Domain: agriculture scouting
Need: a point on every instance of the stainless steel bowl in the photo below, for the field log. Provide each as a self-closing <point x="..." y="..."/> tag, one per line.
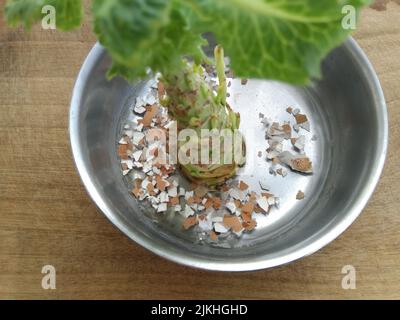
<point x="348" y="116"/>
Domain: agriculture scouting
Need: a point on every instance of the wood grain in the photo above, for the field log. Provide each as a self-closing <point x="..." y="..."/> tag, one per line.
<point x="46" y="216"/>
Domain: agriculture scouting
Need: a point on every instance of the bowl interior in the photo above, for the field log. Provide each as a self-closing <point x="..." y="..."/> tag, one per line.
<point x="348" y="119"/>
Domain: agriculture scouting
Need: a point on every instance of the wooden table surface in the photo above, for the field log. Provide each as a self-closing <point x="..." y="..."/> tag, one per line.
<point x="46" y="217"/>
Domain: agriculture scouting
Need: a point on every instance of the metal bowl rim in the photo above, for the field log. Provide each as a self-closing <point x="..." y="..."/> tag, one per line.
<point x="180" y="257"/>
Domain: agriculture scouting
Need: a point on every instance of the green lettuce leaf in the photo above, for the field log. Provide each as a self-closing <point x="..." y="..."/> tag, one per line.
<point x="141" y="34"/>
<point x="69" y="13"/>
<point x="277" y="39"/>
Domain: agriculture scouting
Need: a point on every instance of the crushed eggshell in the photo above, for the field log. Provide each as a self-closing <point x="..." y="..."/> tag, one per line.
<point x="299" y="143"/>
<point x="188" y="211"/>
<point x="249" y="225"/>
<point x="299" y="163"/>
<point x="150" y="113"/>
<point x="189" y="222"/>
<point x="220" y="227"/>
<point x="232" y="222"/>
<point x="243" y="186"/>
<point x="248" y="207"/>
<point x="162" y="207"/>
<point x="231" y="207"/>
<point x="300" y="118"/>
<point x="300" y="195"/>
<point x="263" y="203"/>
<point x="213" y="236"/>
